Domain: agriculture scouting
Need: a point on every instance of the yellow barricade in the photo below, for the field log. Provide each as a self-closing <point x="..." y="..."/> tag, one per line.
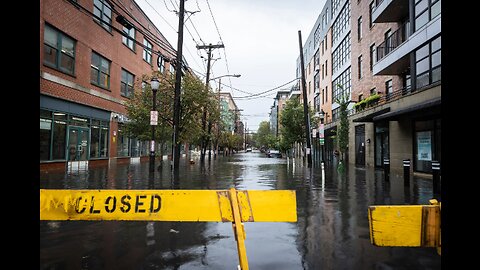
<point x="405" y="225"/>
<point x="173" y="205"/>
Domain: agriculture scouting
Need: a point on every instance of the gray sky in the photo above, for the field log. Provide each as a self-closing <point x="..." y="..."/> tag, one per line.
<point x="260" y="38"/>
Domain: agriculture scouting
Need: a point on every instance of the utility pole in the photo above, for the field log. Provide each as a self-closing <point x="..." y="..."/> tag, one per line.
<point x="178" y="84"/>
<point x="205" y="139"/>
<point x="305" y="103"/>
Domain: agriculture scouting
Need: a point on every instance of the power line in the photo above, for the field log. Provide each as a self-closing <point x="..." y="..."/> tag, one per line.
<point x="267" y="91"/>
<point x="121" y="32"/>
<point x="221" y="40"/>
<point x="148" y="33"/>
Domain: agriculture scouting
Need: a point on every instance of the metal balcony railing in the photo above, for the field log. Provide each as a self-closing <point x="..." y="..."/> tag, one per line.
<point x="392" y="42"/>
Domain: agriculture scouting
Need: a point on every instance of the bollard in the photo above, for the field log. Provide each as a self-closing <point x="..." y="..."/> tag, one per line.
<point x="406" y="172"/>
<point x="436" y="176"/>
<point x="386" y="169"/>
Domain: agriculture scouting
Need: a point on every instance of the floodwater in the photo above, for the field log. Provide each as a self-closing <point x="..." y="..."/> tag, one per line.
<point x="331" y="232"/>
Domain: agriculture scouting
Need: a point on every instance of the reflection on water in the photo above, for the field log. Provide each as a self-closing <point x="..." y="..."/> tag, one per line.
<point x="331" y="232"/>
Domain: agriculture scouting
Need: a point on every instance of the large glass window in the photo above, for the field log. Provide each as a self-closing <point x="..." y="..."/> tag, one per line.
<point x="99" y="139"/>
<point x="341" y="55"/>
<point x="342" y="85"/>
<point x="147" y="51"/>
<point x="428" y="61"/>
<point x="100" y="71"/>
<point x="129" y="37"/>
<point x="426" y="148"/>
<point x="58" y="50"/>
<point x="45" y="133"/>
<point x="103" y="11"/>
<point x="425" y="11"/>
<point x="341" y="23"/>
<point x="52" y="135"/>
<point x="123" y="142"/>
<point x="59" y="135"/>
<point x="126" y="85"/>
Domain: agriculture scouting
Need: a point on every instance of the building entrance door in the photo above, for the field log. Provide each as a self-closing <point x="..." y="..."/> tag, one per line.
<point x="78" y="143"/>
<point x="360" y="145"/>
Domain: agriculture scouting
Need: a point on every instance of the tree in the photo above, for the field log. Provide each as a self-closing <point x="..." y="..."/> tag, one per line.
<point x="342" y="129"/>
<point x="193" y="98"/>
<point x="292" y="123"/>
<point x="264" y="134"/>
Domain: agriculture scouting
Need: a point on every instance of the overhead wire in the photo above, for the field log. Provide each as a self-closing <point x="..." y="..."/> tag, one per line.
<point x="221" y="40"/>
<point x="121" y="32"/>
<point x="267" y="91"/>
<point x="161" y="43"/>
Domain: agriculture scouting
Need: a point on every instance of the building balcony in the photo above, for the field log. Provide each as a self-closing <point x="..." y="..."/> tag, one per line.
<point x="393" y="54"/>
<point x="390" y="11"/>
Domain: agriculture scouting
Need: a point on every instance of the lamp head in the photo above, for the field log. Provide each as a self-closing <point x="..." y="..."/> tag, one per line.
<point x="154" y="83"/>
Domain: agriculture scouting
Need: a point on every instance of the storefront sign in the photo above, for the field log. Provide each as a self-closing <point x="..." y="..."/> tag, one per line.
<point x="424" y="145"/>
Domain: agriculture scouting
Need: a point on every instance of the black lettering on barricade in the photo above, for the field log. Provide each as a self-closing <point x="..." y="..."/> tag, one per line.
<point x="126" y="204"/>
<point x="156" y="196"/>
<point x="138" y="203"/>
<point x="92" y="206"/>
<point x="107" y="202"/>
<point x="77" y="204"/>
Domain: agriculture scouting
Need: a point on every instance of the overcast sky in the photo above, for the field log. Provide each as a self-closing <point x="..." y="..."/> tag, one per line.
<point x="260" y="38"/>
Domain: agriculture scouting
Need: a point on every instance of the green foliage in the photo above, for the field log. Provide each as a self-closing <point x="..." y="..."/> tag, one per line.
<point x="342" y="129"/>
<point x="193" y="97"/>
<point x="369" y="101"/>
<point x="264" y="134"/>
<point x="293" y="123"/>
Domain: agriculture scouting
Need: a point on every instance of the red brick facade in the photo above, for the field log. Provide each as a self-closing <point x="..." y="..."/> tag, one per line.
<point x="78" y="24"/>
<point x="374" y="35"/>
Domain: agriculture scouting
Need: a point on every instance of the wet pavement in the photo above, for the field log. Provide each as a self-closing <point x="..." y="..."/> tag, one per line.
<point x="331" y="232"/>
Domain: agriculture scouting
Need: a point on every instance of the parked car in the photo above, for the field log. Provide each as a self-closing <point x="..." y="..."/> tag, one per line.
<point x="274" y="153"/>
<point x="248" y="150"/>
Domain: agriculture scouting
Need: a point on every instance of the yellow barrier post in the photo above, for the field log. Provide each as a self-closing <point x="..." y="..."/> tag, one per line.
<point x="173" y="205"/>
<point x="406" y="225"/>
<point x="238" y="230"/>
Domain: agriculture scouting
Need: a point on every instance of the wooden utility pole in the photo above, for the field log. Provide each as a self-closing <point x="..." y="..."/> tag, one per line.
<point x="178" y="84"/>
<point x="305" y="104"/>
<point x="205" y="139"/>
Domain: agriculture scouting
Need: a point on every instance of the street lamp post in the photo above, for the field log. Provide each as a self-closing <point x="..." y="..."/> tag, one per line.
<point x="155" y="84"/>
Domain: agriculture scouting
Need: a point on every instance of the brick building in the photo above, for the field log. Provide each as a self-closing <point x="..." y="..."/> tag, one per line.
<point x="386" y="55"/>
<point x="92" y="57"/>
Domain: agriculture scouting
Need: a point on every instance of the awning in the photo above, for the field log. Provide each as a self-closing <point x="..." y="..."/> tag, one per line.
<point x="369" y="117"/>
<point x="423" y="107"/>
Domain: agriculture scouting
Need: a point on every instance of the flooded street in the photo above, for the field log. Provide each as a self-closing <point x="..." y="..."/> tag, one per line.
<point x="332" y="231"/>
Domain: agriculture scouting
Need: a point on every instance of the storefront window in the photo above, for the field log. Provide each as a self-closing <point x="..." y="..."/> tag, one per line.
<point x="45" y="133"/>
<point x="59" y="135"/>
<point x="122" y="143"/>
<point x="426" y="144"/>
<point x="99" y="139"/>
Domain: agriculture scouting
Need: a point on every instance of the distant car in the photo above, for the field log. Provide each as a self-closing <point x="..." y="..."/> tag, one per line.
<point x="274" y="153"/>
<point x="248" y="150"/>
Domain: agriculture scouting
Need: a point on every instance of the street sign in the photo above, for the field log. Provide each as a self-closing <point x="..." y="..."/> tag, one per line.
<point x="167" y="205"/>
<point x="321" y="134"/>
<point x="236" y="206"/>
<point x="153" y="118"/>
